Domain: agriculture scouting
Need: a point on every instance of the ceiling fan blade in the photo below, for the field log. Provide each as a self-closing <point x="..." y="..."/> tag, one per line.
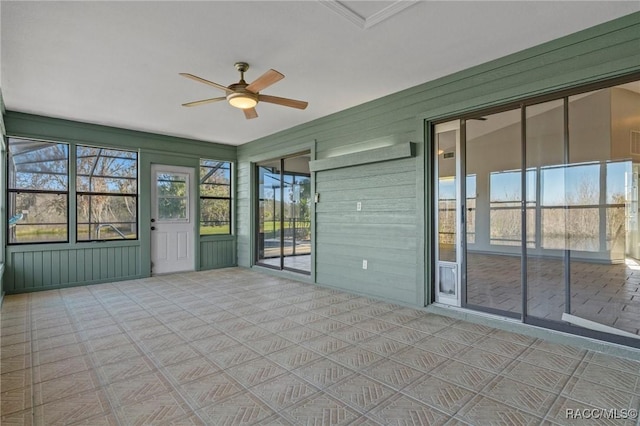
<point x="250" y="113"/>
<point x="265" y="80"/>
<point x="202" y="80"/>
<point x="204" y="101"/>
<point x="283" y="101"/>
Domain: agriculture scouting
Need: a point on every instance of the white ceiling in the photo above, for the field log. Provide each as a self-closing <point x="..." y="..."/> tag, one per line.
<point x="117" y="63"/>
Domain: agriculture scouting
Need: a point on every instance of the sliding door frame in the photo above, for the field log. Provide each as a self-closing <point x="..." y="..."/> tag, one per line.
<point x="522" y="105"/>
<point x="257" y="260"/>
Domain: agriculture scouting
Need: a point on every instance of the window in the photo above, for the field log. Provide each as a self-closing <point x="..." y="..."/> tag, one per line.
<point x="576" y="198"/>
<point x="172" y="191"/>
<point x="37" y="191"/>
<point x="505" y="207"/>
<point x="215" y="197"/>
<point x="106" y="194"/>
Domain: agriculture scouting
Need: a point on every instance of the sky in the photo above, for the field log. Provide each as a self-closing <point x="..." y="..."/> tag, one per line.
<point x="558" y="183"/>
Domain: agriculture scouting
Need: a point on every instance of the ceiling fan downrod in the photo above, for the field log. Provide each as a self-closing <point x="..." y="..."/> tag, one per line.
<point x="242" y="67"/>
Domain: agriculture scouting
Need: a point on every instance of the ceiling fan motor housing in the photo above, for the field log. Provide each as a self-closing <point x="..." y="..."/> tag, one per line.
<point x="241" y="97"/>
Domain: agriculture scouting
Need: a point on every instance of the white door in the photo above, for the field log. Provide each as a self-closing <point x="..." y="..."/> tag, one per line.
<point x="172" y="219"/>
<point x="448" y="218"/>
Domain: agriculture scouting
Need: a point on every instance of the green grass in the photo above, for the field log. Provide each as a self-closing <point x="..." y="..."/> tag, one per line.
<point x="214" y="230"/>
<point x="33" y="234"/>
<point x="269" y="226"/>
<point x="27" y="231"/>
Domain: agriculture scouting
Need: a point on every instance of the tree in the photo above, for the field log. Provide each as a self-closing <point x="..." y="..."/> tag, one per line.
<point x="105" y="178"/>
<point x="215" y="196"/>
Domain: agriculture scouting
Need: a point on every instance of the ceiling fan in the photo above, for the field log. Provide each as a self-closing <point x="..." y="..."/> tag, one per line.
<point x="246" y="96"/>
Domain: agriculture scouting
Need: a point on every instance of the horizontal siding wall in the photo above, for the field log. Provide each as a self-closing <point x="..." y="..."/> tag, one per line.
<point x="342" y="238"/>
<point x="42" y="269"/>
<point x="383" y="232"/>
<point x="217" y="253"/>
<point x="243" y="214"/>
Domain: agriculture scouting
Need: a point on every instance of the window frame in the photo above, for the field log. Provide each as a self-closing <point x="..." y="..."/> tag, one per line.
<point x="16" y="191"/>
<point x="202" y="197"/>
<point x="135" y="196"/>
<point x="187" y="197"/>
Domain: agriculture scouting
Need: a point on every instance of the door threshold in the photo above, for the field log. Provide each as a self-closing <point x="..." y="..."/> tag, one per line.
<point x="514" y="325"/>
<point x="593" y="325"/>
<point x="465" y="312"/>
<point x="160" y="274"/>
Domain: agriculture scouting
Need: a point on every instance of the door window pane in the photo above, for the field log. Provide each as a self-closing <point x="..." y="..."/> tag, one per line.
<point x="493" y="158"/>
<point x="297" y="213"/>
<point x="545" y="263"/>
<point x="269" y="212"/>
<point x="172" y="196"/>
<point x="284" y="213"/>
<point x="602" y="196"/>
<point x="447" y="195"/>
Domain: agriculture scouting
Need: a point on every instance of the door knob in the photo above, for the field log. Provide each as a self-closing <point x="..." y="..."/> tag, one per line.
<point x="153" y="220"/>
<point x="153" y="228"/>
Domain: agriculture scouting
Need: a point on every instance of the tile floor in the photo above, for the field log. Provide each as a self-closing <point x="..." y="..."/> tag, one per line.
<point x="300" y="262"/>
<point x="236" y="347"/>
<point x="604" y="293"/>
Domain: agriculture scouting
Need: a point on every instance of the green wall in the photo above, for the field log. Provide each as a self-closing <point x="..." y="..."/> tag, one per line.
<point x="390" y="231"/>
<point x="46" y="266"/>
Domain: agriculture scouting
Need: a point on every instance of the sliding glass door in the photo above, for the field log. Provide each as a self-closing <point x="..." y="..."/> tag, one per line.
<point x="547" y="212"/>
<point x="269" y="241"/>
<point x="297" y="214"/>
<point x="601" y="198"/>
<point x="547" y="257"/>
<point x="448" y="213"/>
<point x="284" y="214"/>
<point x="493" y="258"/>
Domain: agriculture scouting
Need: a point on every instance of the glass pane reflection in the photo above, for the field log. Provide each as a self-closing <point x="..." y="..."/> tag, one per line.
<point x="493" y="164"/>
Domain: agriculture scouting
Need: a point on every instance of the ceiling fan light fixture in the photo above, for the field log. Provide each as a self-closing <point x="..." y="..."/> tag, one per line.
<point x="246" y="96"/>
<point x="242" y="100"/>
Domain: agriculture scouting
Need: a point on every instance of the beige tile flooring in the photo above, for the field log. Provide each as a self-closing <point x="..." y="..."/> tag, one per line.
<point x="604" y="293"/>
<point x="299" y="262"/>
<point x="234" y="346"/>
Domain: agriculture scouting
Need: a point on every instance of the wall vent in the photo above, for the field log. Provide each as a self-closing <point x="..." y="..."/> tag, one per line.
<point x="635" y="142"/>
